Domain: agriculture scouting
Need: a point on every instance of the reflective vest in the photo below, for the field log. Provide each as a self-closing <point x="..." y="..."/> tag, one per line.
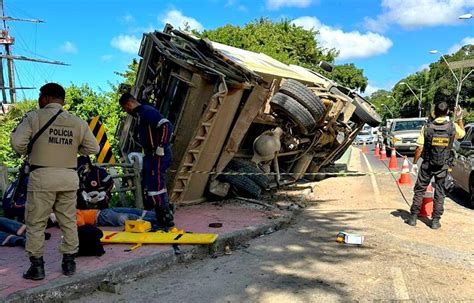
<point x="439" y="140"/>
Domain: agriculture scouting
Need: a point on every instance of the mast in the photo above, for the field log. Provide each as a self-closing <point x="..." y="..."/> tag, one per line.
<point x="7" y="41"/>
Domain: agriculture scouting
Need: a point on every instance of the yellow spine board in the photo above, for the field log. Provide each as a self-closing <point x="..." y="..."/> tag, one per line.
<point x="157" y="238"/>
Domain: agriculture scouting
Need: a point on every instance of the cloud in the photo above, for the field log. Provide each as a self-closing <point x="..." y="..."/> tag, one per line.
<point x="69" y="47"/>
<point x="276" y="4"/>
<point x="106" y="58"/>
<point x="177" y="19"/>
<point x="418" y="13"/>
<point x="465" y="41"/>
<point x="128" y="18"/>
<point x="237" y="5"/>
<point x="370" y="89"/>
<point x="351" y="45"/>
<point x="126" y="43"/>
<point x="423" y="67"/>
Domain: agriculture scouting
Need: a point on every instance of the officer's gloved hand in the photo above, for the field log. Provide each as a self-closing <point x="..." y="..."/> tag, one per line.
<point x="414" y="169"/>
<point x="458" y="113"/>
<point x="160" y="151"/>
<point x="85" y="196"/>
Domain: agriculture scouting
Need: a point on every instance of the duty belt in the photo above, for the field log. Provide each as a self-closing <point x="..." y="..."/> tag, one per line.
<point x="35" y="167"/>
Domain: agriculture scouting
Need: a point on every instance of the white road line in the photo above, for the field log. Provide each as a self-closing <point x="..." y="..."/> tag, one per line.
<point x="374" y="181"/>
<point x="399" y="285"/>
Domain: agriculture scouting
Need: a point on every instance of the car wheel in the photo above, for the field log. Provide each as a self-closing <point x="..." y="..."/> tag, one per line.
<point x="305" y="97"/>
<point x="366" y="112"/>
<point x="242" y="185"/>
<point x="294" y="111"/>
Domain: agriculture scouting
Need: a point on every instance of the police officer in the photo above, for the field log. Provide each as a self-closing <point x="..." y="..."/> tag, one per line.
<point x="154" y="133"/>
<point x="434" y="146"/>
<point x="53" y="181"/>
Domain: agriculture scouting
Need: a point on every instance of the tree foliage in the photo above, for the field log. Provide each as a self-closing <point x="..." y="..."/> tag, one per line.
<point x="289" y="44"/>
<point x="81" y="101"/>
<point x="430" y="86"/>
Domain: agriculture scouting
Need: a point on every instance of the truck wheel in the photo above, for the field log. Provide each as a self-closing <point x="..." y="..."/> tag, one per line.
<point x="257" y="176"/>
<point x="242" y="185"/>
<point x="366" y="112"/>
<point x="305" y="97"/>
<point x="295" y="111"/>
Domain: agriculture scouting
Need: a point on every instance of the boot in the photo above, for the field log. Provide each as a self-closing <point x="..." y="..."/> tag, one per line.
<point x="411" y="220"/>
<point x="68" y="265"/>
<point x="36" y="270"/>
<point x="435" y="223"/>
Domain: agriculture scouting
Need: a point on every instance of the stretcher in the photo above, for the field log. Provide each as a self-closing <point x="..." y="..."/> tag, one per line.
<point x="158" y="237"/>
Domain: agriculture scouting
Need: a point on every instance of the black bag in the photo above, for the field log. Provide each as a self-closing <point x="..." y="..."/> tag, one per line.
<point x="89" y="241"/>
<point x="25" y="170"/>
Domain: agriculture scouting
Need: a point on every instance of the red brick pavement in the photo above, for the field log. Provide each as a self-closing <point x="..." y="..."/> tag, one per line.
<point x="13" y="260"/>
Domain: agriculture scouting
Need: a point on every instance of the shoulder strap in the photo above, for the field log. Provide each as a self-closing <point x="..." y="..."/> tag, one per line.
<point x="41" y="131"/>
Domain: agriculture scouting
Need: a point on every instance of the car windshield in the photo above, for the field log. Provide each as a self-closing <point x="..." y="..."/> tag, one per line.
<point x="364" y="132"/>
<point x="408" y="125"/>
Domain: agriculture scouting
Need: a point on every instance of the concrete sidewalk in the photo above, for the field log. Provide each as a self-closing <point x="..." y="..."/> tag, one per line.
<point x="240" y="222"/>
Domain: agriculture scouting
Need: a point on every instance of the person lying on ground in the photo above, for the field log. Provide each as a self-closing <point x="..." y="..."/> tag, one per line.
<point x="13" y="233"/>
<point x="113" y="216"/>
<point x="95" y="185"/>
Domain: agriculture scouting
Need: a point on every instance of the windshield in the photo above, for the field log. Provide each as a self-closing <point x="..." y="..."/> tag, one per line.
<point x="364" y="132"/>
<point x="408" y="125"/>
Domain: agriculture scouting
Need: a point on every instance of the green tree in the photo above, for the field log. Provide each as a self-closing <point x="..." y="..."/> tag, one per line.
<point x="9" y="122"/>
<point x="289" y="44"/>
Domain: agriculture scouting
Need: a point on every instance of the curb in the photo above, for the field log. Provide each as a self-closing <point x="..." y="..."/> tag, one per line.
<point x="83" y="283"/>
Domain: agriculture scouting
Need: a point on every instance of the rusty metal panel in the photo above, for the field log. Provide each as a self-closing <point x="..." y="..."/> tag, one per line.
<point x="199" y="94"/>
<point x="206" y="145"/>
<point x="251" y="109"/>
<point x="213" y="147"/>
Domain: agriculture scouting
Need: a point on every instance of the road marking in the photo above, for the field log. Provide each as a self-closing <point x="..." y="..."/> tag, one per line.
<point x="373" y="180"/>
<point x="399" y="285"/>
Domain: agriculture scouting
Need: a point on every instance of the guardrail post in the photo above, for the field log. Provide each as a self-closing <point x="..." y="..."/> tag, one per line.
<point x="137" y="184"/>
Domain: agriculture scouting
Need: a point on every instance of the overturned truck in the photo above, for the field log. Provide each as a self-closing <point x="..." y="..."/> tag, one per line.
<point x="260" y="122"/>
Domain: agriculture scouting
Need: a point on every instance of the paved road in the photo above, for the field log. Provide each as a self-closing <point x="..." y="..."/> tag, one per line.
<point x="304" y="263"/>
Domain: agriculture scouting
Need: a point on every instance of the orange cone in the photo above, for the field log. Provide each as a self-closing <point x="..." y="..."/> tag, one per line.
<point x="383" y="153"/>
<point x="393" y="164"/>
<point x="364" y="148"/>
<point x="405" y="176"/>
<point x="427" y="205"/>
<point x="377" y="150"/>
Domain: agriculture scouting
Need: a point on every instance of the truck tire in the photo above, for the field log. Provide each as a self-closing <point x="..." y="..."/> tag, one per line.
<point x="366" y="112"/>
<point x="295" y="111"/>
<point x="305" y="97"/>
<point x="257" y="176"/>
<point x="242" y="185"/>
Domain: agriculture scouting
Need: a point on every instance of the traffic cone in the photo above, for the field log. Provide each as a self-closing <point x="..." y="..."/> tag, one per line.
<point x="383" y="153"/>
<point x="393" y="164"/>
<point x="364" y="148"/>
<point x="427" y="204"/>
<point x="405" y="176"/>
<point x="377" y="150"/>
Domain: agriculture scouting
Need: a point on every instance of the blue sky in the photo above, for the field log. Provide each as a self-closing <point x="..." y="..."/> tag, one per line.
<point x="389" y="39"/>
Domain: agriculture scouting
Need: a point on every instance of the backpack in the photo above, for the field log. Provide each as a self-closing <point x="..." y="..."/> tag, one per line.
<point x="15" y="208"/>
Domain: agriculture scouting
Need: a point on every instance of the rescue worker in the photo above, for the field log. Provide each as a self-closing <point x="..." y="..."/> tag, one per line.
<point x="95" y="185"/>
<point x="154" y="134"/>
<point x="434" y="146"/>
<point x="53" y="181"/>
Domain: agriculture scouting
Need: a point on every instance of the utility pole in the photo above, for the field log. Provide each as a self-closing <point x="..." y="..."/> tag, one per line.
<point x="420" y="103"/>
<point x="7" y="42"/>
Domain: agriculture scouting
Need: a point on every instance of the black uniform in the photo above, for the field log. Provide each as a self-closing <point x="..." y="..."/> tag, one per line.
<point x="436" y="155"/>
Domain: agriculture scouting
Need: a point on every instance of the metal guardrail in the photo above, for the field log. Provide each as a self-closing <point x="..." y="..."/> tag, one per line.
<point x="131" y="173"/>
